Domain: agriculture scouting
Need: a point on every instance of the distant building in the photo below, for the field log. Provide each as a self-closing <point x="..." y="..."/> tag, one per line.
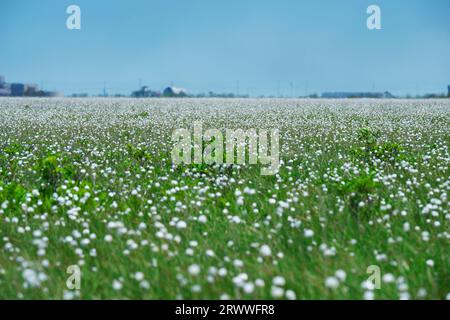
<point x="31" y="89"/>
<point x="343" y="95"/>
<point x="17" y="89"/>
<point x="4" y="88"/>
<point x="448" y="93"/>
<point x="174" y="92"/>
<point x="27" y="90"/>
<point x="145" y="92"/>
<point x="5" y="92"/>
<point x="80" y="95"/>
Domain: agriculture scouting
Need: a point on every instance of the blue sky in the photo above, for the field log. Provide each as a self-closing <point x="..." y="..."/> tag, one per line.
<point x="204" y="45"/>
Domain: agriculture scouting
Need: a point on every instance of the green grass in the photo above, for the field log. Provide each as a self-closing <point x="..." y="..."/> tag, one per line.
<point x="378" y="167"/>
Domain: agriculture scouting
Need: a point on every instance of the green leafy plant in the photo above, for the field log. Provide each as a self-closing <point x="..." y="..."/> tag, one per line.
<point x="357" y="188"/>
<point x="138" y="154"/>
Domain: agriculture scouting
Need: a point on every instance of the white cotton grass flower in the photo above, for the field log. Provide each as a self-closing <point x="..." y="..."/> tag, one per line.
<point x="404" y="295"/>
<point x="193" y="243"/>
<point x="142" y="226"/>
<point x="240" y="279"/>
<point x="368" y="285"/>
<point x="139" y="276"/>
<point x="70" y="294"/>
<point x="194" y="269"/>
<point x="279" y="281"/>
<point x="332" y="282"/>
<point x="276" y="292"/>
<point x="421" y="293"/>
<point x="259" y="283"/>
<point x="248" y="190"/>
<point x="248" y="287"/>
<point x="430" y="263"/>
<point x="222" y="272"/>
<point x="33" y="278"/>
<point x="117" y="285"/>
<point x="181" y="224"/>
<point x="238" y="263"/>
<point x="196" y="288"/>
<point x="369" y="295"/>
<point x="290" y="295"/>
<point x="308" y="233"/>
<point x="340" y="274"/>
<point x="388" y="278"/>
<point x="265" y="250"/>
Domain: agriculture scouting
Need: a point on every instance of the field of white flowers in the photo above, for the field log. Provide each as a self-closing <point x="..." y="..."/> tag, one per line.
<point x="90" y="182"/>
